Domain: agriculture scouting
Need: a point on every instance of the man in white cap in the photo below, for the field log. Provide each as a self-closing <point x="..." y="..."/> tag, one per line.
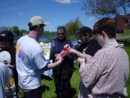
<point x="30" y="61"/>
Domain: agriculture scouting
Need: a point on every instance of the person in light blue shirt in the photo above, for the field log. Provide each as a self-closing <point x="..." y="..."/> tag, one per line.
<point x="30" y="61"/>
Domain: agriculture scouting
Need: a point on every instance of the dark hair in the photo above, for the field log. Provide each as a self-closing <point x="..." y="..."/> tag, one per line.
<point x="61" y="27"/>
<point x="85" y="30"/>
<point x="7" y="36"/>
<point x="107" y="25"/>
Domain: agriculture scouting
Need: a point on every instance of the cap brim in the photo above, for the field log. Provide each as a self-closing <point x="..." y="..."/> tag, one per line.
<point x="46" y="23"/>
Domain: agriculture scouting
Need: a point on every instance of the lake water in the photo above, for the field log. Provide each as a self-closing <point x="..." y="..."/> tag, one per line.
<point x="43" y="38"/>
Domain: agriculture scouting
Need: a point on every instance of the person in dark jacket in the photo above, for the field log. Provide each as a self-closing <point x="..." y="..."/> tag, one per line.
<point x="62" y="74"/>
<point x="89" y="45"/>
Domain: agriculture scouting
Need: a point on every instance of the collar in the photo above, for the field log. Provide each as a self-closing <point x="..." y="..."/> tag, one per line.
<point x="113" y="46"/>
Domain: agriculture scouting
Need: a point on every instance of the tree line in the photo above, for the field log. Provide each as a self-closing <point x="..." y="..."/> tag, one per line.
<point x="71" y="28"/>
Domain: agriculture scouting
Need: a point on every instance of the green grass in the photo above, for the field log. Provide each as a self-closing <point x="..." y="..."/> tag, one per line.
<point x="127" y="48"/>
<point x="126" y="32"/>
<point x="50" y="93"/>
<point x="49" y="90"/>
<point x="48" y="86"/>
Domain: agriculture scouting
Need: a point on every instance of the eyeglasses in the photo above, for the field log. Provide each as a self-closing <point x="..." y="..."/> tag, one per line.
<point x="60" y="33"/>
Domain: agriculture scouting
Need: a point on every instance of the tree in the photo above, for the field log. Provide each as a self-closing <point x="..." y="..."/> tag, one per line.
<point x="16" y="30"/>
<point x="73" y="26"/>
<point x="106" y="7"/>
<point x="2" y="28"/>
<point x="23" y="31"/>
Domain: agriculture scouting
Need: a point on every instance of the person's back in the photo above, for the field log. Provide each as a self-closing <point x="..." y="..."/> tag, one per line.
<point x="116" y="71"/>
<point x="107" y="72"/>
<point x="30" y="60"/>
<point x="28" y="49"/>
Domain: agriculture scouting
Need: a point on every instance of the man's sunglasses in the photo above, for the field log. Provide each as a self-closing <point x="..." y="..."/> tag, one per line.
<point x="60" y="33"/>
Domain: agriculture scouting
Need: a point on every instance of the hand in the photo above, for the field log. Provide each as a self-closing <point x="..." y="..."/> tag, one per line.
<point x="81" y="60"/>
<point x="59" y="58"/>
<point x="67" y="46"/>
<point x="56" y="55"/>
<point x="87" y="57"/>
<point x="10" y="66"/>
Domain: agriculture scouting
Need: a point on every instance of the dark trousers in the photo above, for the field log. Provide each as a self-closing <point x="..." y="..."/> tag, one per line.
<point x="63" y="88"/>
<point x="15" y="75"/>
<point x="35" y="93"/>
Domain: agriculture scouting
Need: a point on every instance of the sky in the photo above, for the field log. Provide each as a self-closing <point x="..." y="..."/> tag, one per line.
<point x="55" y="12"/>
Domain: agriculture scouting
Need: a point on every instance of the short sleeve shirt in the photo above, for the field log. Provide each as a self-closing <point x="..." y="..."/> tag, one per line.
<point x="27" y="49"/>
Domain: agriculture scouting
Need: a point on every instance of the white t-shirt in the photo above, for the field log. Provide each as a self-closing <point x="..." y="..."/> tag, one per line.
<point x="29" y="59"/>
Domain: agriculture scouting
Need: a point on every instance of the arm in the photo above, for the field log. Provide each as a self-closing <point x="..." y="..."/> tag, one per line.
<point x="10" y="66"/>
<point x="93" y="70"/>
<point x="52" y="65"/>
<point x="79" y="54"/>
<point x="42" y="64"/>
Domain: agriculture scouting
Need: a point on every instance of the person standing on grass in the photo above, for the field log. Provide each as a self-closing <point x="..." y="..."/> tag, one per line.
<point x="63" y="73"/>
<point x="30" y="60"/>
<point x="106" y="73"/>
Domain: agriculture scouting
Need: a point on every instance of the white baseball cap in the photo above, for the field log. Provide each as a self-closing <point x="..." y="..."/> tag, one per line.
<point x="5" y="57"/>
<point x="36" y="20"/>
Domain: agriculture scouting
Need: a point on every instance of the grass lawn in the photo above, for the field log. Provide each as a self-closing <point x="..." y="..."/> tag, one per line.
<point x="49" y="86"/>
<point x="126" y="32"/>
<point x="49" y="91"/>
<point x="128" y="82"/>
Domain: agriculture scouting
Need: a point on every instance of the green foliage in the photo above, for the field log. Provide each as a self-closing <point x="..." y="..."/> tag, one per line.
<point x="2" y="28"/>
<point x="49" y="33"/>
<point x="22" y="32"/>
<point x="72" y="27"/>
<point x="16" y="30"/>
<point x="126" y="32"/>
